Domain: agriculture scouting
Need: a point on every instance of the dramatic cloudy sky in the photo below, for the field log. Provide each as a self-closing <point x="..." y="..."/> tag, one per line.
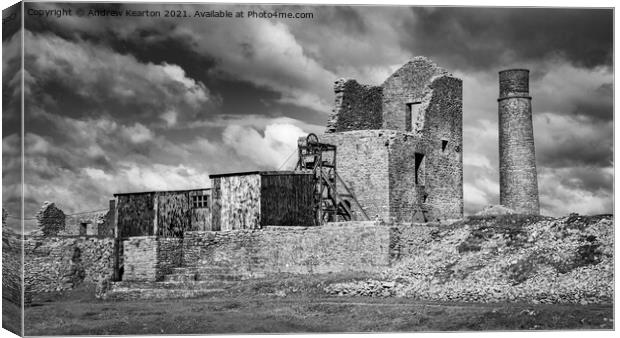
<point x="132" y="104"/>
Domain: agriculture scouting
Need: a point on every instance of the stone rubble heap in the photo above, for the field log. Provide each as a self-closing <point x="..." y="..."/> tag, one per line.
<point x="510" y="258"/>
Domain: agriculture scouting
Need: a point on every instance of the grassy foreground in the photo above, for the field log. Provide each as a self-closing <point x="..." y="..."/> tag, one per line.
<point x="297" y="304"/>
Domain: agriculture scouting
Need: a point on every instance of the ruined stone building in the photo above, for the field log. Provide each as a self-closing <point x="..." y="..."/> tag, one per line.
<point x="400" y="144"/>
<point x="398" y="158"/>
<point x="391" y="158"/>
<point x="51" y="221"/>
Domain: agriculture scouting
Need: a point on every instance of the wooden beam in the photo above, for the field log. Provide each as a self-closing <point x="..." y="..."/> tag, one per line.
<point x="155" y="213"/>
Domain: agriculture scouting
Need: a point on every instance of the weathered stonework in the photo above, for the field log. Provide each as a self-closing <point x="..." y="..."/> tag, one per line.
<point x="89" y="224"/>
<point x="409" y="168"/>
<point x="11" y="263"/>
<point x="50" y="219"/>
<point x="61" y="263"/>
<point x="517" y="159"/>
<point x="409" y="85"/>
<point x="367" y="180"/>
<point x="149" y="258"/>
<point x="362" y="246"/>
<point x="357" y="107"/>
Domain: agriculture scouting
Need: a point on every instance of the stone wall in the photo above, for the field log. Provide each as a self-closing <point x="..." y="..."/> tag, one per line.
<point x="89" y="224"/>
<point x="407" y="197"/>
<point x="169" y="256"/>
<point x="140" y="258"/>
<point x="408" y="85"/>
<point x="11" y="264"/>
<point x="61" y="263"/>
<point x="363" y="164"/>
<point x="410" y="168"/>
<point x="357" y="107"/>
<point x="361" y="246"/>
<point x="407" y="240"/>
<point x="148" y="258"/>
<point x="442" y="136"/>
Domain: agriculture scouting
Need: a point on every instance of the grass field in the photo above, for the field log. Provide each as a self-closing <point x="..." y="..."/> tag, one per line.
<point x="296" y="304"/>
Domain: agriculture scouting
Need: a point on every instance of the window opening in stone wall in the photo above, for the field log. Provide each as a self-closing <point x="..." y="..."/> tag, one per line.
<point x="412" y="116"/>
<point x="444" y="145"/>
<point x="419" y="162"/>
<point x="408" y="125"/>
<point x="200" y="201"/>
<point x="83" y="227"/>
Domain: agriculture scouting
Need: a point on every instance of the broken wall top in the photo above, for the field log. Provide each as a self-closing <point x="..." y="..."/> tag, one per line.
<point x="400" y="103"/>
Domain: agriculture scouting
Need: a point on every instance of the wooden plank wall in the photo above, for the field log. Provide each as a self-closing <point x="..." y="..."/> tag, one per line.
<point x="173" y="213"/>
<point x="287" y="200"/>
<point x="135" y="215"/>
<point x="216" y="205"/>
<point x="239" y="202"/>
<point x="201" y="217"/>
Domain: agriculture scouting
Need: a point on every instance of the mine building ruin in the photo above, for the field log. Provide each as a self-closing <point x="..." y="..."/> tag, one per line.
<point x="400" y="144"/>
<point x="391" y="153"/>
<point x="390" y="159"/>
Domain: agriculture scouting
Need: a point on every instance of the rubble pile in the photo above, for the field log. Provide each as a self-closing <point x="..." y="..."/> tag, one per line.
<point x="507" y="258"/>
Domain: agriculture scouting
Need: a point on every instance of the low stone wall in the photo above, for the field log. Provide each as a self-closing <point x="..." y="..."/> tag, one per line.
<point x="169" y="255"/>
<point x="148" y="258"/>
<point x="356" y="246"/>
<point x="407" y="239"/>
<point x="61" y="263"/>
<point x="139" y="258"/>
<point x="11" y="266"/>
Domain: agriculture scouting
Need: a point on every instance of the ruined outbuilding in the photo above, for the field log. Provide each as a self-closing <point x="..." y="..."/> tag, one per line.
<point x="400" y="144"/>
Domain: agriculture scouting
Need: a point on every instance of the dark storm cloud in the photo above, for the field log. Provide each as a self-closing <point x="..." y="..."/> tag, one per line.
<point x="11" y="21"/>
<point x="598" y="104"/>
<point x="157" y="44"/>
<point x="563" y="141"/>
<point x="341" y="18"/>
<point x="480" y="38"/>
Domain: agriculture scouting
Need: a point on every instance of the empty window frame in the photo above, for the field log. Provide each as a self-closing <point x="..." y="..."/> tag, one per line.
<point x="83" y="229"/>
<point x="444" y="145"/>
<point x="200" y="201"/>
<point x="412" y="115"/>
<point x="419" y="168"/>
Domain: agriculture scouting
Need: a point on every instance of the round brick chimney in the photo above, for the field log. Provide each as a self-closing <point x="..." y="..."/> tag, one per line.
<point x="518" y="187"/>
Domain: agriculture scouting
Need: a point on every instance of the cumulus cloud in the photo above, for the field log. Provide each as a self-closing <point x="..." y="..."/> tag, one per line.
<point x="575" y="190"/>
<point x="269" y="150"/>
<point x="137" y="133"/>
